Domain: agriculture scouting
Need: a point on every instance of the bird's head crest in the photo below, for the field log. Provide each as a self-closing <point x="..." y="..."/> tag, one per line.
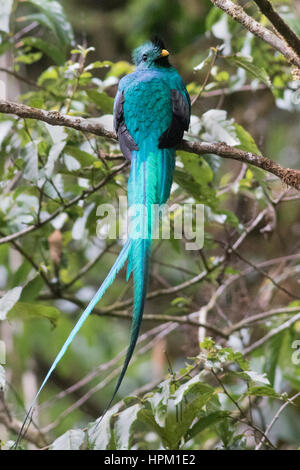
<point x="151" y="54"/>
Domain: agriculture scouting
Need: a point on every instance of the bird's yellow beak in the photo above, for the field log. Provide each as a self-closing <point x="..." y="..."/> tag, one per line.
<point x="164" y="53"/>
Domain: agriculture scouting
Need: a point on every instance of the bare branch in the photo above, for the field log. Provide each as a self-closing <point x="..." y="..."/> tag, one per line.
<point x="279" y="24"/>
<point x="242" y="412"/>
<point x="275" y="418"/>
<point x="34" y="436"/>
<point x="259" y="317"/>
<point x="238" y="14"/>
<point x="272" y="333"/>
<point x="184" y="319"/>
<point x="21" y="78"/>
<point x="287" y="175"/>
<point x="54" y="118"/>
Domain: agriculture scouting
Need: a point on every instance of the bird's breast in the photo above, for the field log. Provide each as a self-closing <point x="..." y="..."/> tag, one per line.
<point x="147" y="107"/>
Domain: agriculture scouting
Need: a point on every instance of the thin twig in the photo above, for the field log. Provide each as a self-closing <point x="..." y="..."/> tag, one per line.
<point x="271" y="333"/>
<point x="242" y="413"/>
<point x="275" y="418"/>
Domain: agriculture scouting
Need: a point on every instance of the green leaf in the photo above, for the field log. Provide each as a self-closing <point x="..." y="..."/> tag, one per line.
<point x="214" y="15"/>
<point x="120" y="68"/>
<point x="97" y="64"/>
<point x="124" y="425"/>
<point x="102" y="100"/>
<point x="203" y="193"/>
<point x="227" y="433"/>
<point x="28" y="310"/>
<point x="41" y="18"/>
<point x="4" y="46"/>
<point x="218" y="127"/>
<point x="84" y="158"/>
<point x="54" y="52"/>
<point x="54" y="12"/>
<point x="205" y="422"/>
<point x="197" y="167"/>
<point x="189" y="399"/>
<point x="251" y="375"/>
<point x="71" y="440"/>
<point x="99" y="434"/>
<point x="246" y="63"/>
<point x="5" y="9"/>
<point x="178" y="409"/>
<point x="21" y="275"/>
<point x="159" y="402"/>
<point x="264" y="391"/>
<point x="49" y="74"/>
<point x="32" y="289"/>
<point x="8" y="301"/>
<point x="276" y="353"/>
<point x="29" y="58"/>
<point x="54" y="154"/>
<point x="29" y="154"/>
<point x="5" y="127"/>
<point x="247" y="142"/>
<point x="191" y="385"/>
<point x="146" y="416"/>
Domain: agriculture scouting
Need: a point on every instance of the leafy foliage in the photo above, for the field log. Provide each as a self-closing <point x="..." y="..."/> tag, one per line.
<point x="182" y="410"/>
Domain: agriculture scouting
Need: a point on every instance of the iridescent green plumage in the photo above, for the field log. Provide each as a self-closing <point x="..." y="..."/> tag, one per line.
<point x="152" y="108"/>
<point x="151" y="112"/>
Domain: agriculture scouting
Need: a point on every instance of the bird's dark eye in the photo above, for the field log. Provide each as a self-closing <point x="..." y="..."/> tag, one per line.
<point x="144" y="57"/>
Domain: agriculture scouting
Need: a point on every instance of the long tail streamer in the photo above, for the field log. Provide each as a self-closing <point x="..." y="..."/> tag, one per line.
<point x="149" y="184"/>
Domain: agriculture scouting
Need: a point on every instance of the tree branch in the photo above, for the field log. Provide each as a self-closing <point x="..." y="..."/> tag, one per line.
<point x="275" y="418"/>
<point x="34" y="436"/>
<point x="287" y="175"/>
<point x="238" y="14"/>
<point x="279" y="24"/>
<point x="184" y="319"/>
<point x="21" y="78"/>
<point x="271" y="333"/>
<point x="54" y="118"/>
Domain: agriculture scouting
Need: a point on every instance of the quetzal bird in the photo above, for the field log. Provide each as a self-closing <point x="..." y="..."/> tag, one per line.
<point x="151" y="113"/>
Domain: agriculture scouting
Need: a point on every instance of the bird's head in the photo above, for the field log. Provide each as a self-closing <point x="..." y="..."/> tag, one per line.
<point x="151" y="54"/>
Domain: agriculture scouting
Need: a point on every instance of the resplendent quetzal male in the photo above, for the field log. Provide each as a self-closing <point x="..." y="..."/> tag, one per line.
<point x="151" y="112"/>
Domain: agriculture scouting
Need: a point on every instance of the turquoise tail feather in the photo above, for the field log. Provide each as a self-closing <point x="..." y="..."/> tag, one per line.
<point x="149" y="183"/>
<point x="142" y="193"/>
<point x="140" y="274"/>
<point x="119" y="263"/>
<point x="166" y="170"/>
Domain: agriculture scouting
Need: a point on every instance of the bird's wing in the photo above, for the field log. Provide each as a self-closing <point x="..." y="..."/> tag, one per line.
<point x="181" y="110"/>
<point x="126" y="141"/>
